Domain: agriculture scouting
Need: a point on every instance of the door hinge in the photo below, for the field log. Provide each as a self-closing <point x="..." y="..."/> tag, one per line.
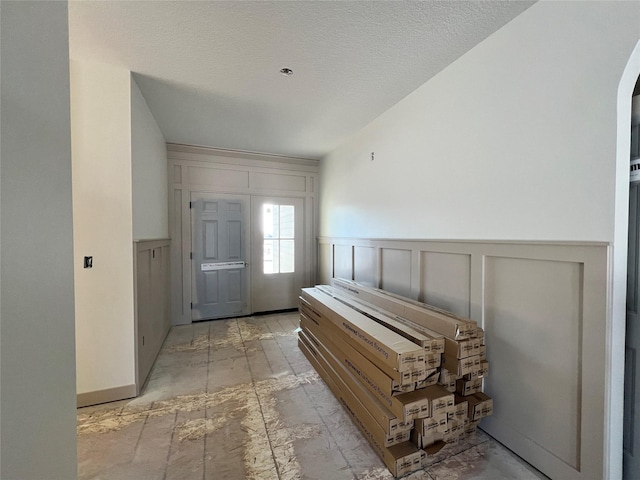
<point x="153" y="253"/>
<point x="190" y="204"/>
<point x="191" y="255"/>
<point x="191" y="305"/>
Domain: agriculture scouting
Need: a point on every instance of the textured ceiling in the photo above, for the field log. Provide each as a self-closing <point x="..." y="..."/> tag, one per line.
<point x="210" y="70"/>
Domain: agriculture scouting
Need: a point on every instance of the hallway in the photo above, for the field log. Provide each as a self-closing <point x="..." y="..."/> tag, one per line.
<point x="236" y="399"/>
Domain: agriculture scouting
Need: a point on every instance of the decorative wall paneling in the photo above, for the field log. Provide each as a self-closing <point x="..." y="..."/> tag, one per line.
<point x="151" y="295"/>
<point x="217" y="171"/>
<point x="543" y="307"/>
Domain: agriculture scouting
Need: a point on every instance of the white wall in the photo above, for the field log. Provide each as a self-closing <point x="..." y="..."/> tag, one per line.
<point x="37" y="351"/>
<point x="515" y="140"/>
<point x="102" y="216"/>
<point x="149" y="171"/>
<point x="523" y="138"/>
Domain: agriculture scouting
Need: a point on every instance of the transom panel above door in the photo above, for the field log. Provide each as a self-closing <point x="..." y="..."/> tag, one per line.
<point x="220" y="252"/>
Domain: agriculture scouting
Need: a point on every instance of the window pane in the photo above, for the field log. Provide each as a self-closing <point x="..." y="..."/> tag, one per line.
<point x="269" y="221"/>
<point x="268" y="256"/>
<point x="287" y="221"/>
<point x="287" y="256"/>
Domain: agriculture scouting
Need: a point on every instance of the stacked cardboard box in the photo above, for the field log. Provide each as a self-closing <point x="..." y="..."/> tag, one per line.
<point x="408" y="374"/>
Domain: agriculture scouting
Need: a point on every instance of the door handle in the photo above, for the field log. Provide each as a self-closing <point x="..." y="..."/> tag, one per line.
<point x="205" y="267"/>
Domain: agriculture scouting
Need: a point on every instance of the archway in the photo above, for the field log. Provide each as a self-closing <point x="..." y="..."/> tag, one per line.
<point x="616" y="326"/>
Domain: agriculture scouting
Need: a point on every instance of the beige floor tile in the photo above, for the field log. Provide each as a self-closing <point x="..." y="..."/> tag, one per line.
<point x="236" y="399"/>
<point x="186" y="454"/>
<point x="487" y="461"/>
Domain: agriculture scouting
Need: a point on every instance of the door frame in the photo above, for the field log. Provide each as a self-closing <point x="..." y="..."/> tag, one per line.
<point x="616" y="317"/>
<point x="219" y="171"/>
<point x="255" y="218"/>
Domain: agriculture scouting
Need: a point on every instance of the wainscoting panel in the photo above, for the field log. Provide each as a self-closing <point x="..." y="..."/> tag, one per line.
<point x="365" y="261"/>
<point x="325" y="263"/>
<point x="533" y="322"/>
<point x="543" y="307"/>
<point x="395" y="271"/>
<point x="445" y="280"/>
<point x="343" y="264"/>
<point x="152" y="308"/>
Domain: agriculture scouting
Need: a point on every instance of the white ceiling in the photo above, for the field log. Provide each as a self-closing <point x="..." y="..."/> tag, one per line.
<point x="210" y="70"/>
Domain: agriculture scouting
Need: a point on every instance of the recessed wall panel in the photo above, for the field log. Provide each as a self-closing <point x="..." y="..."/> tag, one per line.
<point x="445" y="281"/>
<point x="325" y="267"/>
<point x="274" y="181"/>
<point x="343" y="261"/>
<point x="365" y="265"/>
<point x="533" y="325"/>
<point x="177" y="285"/>
<point x="395" y="275"/>
<point x="218" y="177"/>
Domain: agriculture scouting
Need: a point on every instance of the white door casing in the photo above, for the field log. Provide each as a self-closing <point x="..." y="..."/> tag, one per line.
<point x="631" y="435"/>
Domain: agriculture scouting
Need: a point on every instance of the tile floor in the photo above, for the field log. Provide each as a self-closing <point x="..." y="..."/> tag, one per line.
<point x="236" y="399"/>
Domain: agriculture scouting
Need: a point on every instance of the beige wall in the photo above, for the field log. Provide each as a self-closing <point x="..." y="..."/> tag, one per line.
<point x="149" y="171"/>
<point x="102" y="210"/>
<point x="37" y="350"/>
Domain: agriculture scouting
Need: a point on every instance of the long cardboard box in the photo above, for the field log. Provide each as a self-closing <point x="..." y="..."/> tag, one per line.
<point x="409" y="458"/>
<point x="481" y="372"/>
<point x="440" y="399"/>
<point x="400" y="459"/>
<point x="359" y="378"/>
<point x="482" y="351"/>
<point x="354" y="401"/>
<point x="381" y="317"/>
<point x="466" y="387"/>
<point x="353" y="361"/>
<point x="435" y="423"/>
<point x="431" y="379"/>
<point x="406" y="406"/>
<point x="461" y="348"/>
<point x="460" y="411"/>
<point x="480" y="405"/>
<point x="395" y="382"/>
<point x="461" y="366"/>
<point x="400" y="378"/>
<point x="431" y="341"/>
<point x="440" y="321"/>
<point x="374" y="341"/>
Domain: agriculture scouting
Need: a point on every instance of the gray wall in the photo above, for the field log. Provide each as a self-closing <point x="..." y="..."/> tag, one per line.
<point x="37" y="336"/>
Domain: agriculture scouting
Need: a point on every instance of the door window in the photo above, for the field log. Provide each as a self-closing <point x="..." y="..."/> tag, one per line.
<point x="278" y="238"/>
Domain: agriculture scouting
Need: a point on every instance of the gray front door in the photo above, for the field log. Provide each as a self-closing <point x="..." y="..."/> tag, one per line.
<point x="220" y="251"/>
